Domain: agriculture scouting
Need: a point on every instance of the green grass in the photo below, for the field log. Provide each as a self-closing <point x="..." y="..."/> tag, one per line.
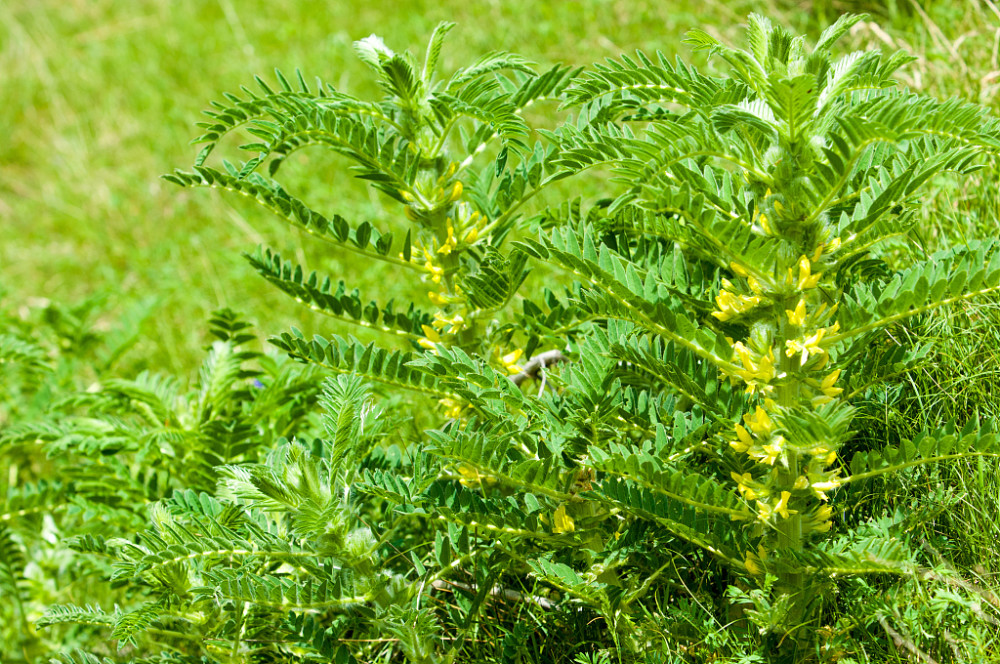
<point x="100" y="99"/>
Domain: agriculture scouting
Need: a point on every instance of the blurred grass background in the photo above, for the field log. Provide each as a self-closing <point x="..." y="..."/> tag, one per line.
<point x="100" y="98"/>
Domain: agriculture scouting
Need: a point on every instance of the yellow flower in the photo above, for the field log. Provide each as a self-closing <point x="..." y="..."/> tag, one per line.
<point x="449" y="243"/>
<point x="806" y="278"/>
<point x="470" y="476"/>
<point x="744" y="443"/>
<point x="436" y="271"/>
<point x="509" y="361"/>
<point x="454" y="324"/>
<point x="758" y="370"/>
<point x="431" y="338"/>
<point x="743" y="484"/>
<point x="730" y="305"/>
<point x="765" y="224"/>
<point x="827" y="385"/>
<point x="759" y="422"/>
<point x="764" y="510"/>
<point x="797" y="317"/>
<point x="806" y="345"/>
<point x="738" y="269"/>
<point x="782" y="507"/>
<point x="820" y="520"/>
<point x="753" y="564"/>
<point x="772" y="451"/>
<point x="562" y="522"/>
<point x="819" y="489"/>
<point x="452" y="408"/>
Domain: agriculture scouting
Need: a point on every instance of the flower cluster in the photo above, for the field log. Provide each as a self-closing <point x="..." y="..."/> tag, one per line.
<point x="732" y="304"/>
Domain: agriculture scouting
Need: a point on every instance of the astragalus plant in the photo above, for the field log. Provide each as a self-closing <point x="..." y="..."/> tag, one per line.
<point x="725" y="306"/>
<point x="789" y="178"/>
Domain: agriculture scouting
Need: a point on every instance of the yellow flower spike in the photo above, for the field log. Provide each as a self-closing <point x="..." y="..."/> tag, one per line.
<point x="738" y="269"/>
<point x="797" y="317"/>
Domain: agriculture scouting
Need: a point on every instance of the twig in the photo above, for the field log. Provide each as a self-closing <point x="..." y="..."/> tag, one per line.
<point x="497" y="591"/>
<point x="536" y="364"/>
<point x="902" y="642"/>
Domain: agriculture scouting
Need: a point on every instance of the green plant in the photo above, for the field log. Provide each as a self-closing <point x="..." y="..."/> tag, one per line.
<point x="727" y="306"/>
<point x="404" y="146"/>
<point x="787" y="176"/>
<point x="89" y="464"/>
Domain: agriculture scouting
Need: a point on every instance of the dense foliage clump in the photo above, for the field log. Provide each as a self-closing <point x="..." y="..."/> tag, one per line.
<point x="670" y="456"/>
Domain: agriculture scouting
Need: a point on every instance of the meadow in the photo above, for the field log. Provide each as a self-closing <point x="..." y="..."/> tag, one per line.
<point x="114" y="271"/>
